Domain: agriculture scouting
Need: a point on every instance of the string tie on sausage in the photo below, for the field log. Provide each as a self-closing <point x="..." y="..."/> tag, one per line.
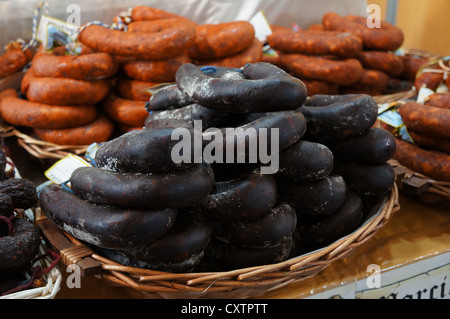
<point x="66" y="188"/>
<point x="45" y="6"/>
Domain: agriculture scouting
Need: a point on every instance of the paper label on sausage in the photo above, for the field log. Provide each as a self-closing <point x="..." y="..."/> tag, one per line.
<point x="52" y="30"/>
<point x="261" y="26"/>
<point x="61" y="171"/>
<point x="392" y="118"/>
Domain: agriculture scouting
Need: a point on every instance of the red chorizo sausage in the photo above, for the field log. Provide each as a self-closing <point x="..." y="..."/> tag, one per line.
<point x="321" y="87"/>
<point x="252" y="54"/>
<point x="385" y="38"/>
<point x="430" y="80"/>
<point x="13" y="60"/>
<point x="21" y="112"/>
<point x="129" y="112"/>
<point x="343" y="72"/>
<point x="439" y="100"/>
<point x="63" y="91"/>
<point x="373" y="82"/>
<point x="167" y="43"/>
<point x="386" y="62"/>
<point x="81" y="67"/>
<point x="411" y="65"/>
<point x="215" y="41"/>
<point x="433" y="164"/>
<point x="344" y="45"/>
<point x="154" y="70"/>
<point x="140" y="13"/>
<point x="134" y="89"/>
<point x="146" y="26"/>
<point x="430" y="142"/>
<point x="97" y="131"/>
<point x="427" y="119"/>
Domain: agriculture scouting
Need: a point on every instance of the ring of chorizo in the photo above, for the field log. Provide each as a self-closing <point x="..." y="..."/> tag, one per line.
<point x="124" y="111"/>
<point x="168" y="42"/>
<point x="154" y="70"/>
<point x="215" y="41"/>
<point x="93" y="66"/>
<point x="97" y="131"/>
<point x="20" y="112"/>
<point x="252" y="54"/>
<point x="308" y="67"/>
<point x="63" y="91"/>
<point x="386" y="62"/>
<point x="136" y="90"/>
<point x="265" y="88"/>
<point x="344" y="45"/>
<point x="386" y="38"/>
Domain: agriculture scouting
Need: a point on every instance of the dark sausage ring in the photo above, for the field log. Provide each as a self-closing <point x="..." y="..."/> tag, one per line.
<point x="144" y="151"/>
<point x="247" y="198"/>
<point x="170" y="96"/>
<point x="134" y="190"/>
<point x="102" y="225"/>
<point x="355" y="114"/>
<point x="386" y="38"/>
<point x="267" y="231"/>
<point x="93" y="66"/>
<point x="179" y="249"/>
<point x="20" y="248"/>
<point x="168" y="42"/>
<point x="266" y="88"/>
<point x="228" y="257"/>
<point x="216" y="41"/>
<point x="344" y="45"/>
<point x="309" y="67"/>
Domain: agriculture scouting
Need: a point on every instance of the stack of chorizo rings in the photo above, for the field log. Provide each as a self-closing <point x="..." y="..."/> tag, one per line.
<point x="19" y="238"/>
<point x="343" y="55"/>
<point x="149" y="52"/>
<point x="61" y="93"/>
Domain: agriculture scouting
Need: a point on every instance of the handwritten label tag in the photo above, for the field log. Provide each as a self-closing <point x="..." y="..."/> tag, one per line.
<point x="61" y="171"/>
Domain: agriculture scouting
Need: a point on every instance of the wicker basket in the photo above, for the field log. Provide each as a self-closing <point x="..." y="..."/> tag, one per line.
<point x="239" y="283"/>
<point x="38" y="148"/>
<point x="50" y="281"/>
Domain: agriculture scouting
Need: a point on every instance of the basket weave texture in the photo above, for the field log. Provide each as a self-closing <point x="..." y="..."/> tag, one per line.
<point x="246" y="282"/>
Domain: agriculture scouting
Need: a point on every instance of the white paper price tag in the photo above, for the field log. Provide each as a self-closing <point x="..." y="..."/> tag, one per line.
<point x="61" y="171"/>
<point x="261" y="26"/>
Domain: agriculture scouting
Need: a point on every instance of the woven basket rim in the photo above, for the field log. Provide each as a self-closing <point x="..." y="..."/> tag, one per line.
<point x="53" y="278"/>
<point x="254" y="280"/>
